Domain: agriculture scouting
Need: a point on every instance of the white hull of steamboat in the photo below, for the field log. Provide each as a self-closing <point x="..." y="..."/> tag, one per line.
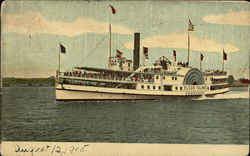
<point x="89" y="93"/>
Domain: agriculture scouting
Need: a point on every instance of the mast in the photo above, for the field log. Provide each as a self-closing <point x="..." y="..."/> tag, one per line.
<point x="224" y="57"/>
<point x="1" y="50"/>
<point x="201" y="61"/>
<point x="59" y="57"/>
<point x="1" y="79"/>
<point x="61" y="49"/>
<point x="110" y="46"/>
<point x="223" y="61"/>
<point x="190" y="28"/>
<point x="188" y="47"/>
<point x="200" y="65"/>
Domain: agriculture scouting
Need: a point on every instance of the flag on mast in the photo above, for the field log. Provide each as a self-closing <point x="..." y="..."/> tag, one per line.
<point x="190" y="26"/>
<point x="112" y="9"/>
<point x="174" y="53"/>
<point x="202" y="57"/>
<point x="62" y="49"/>
<point x="145" y="52"/>
<point x="224" y="55"/>
<point x="118" y="53"/>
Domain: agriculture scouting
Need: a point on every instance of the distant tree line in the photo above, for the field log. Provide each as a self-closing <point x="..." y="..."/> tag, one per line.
<point x="230" y="80"/>
<point x="237" y="83"/>
<point x="28" y="81"/>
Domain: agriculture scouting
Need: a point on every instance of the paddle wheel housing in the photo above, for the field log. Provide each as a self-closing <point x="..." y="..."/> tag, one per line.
<point x="193" y="77"/>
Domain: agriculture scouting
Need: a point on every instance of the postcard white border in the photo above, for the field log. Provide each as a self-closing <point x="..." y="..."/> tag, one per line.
<point x="13" y="148"/>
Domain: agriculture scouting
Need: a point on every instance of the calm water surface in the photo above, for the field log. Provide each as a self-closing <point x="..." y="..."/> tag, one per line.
<point x="31" y="114"/>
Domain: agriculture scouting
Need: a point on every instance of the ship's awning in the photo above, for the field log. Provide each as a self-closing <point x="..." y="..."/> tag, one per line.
<point x="183" y="71"/>
<point x="104" y="70"/>
<point x="92" y="69"/>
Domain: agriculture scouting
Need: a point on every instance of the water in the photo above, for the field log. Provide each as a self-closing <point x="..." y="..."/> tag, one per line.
<point x="31" y="114"/>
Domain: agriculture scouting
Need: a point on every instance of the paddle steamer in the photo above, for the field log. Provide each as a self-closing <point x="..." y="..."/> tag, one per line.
<point x="125" y="79"/>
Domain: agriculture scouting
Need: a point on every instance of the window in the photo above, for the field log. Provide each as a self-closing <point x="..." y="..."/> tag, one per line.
<point x="172" y="78"/>
<point x="163" y="77"/>
<point x="159" y="87"/>
<point x="167" y="87"/>
<point x="128" y="64"/>
<point x="148" y="87"/>
<point x="180" y="88"/>
<point x="157" y="77"/>
<point x="175" y="78"/>
<point x="153" y="87"/>
<point x="176" y="88"/>
<point x="142" y="86"/>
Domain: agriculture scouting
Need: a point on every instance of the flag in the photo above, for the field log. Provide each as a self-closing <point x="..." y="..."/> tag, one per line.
<point x="62" y="49"/>
<point x="190" y="26"/>
<point x="145" y="52"/>
<point x="112" y="9"/>
<point x="174" y="53"/>
<point x="202" y="57"/>
<point x="224" y="55"/>
<point x="118" y="53"/>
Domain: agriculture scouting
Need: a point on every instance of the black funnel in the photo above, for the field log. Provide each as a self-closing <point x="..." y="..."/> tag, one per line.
<point x="136" y="51"/>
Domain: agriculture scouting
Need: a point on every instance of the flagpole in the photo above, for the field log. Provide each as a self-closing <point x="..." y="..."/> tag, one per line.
<point x="58" y="72"/>
<point x="109" y="64"/>
<point x="109" y="45"/>
<point x="200" y="65"/>
<point x="59" y="56"/>
<point x="223" y="62"/>
<point x="188" y="47"/>
<point x="1" y="77"/>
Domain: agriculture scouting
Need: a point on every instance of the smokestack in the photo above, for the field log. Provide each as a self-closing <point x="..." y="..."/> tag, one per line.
<point x="136" y="51"/>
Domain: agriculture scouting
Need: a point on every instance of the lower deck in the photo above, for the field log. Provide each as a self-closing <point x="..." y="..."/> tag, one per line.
<point x="66" y="92"/>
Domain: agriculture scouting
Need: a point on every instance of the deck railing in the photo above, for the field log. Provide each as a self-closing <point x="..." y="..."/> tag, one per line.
<point x="215" y="73"/>
<point x="105" y="78"/>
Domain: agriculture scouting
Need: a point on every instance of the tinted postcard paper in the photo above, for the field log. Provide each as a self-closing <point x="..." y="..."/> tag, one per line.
<point x="125" y="78"/>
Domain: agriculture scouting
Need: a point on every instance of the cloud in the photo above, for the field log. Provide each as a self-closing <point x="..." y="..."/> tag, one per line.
<point x="180" y="41"/>
<point x="35" y="23"/>
<point x="233" y="18"/>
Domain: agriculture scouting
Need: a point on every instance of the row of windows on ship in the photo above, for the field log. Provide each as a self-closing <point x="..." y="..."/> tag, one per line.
<point x="163" y="77"/>
<point x="117" y="61"/>
<point x="169" y="87"/>
<point x="166" y="87"/>
<point x="148" y="87"/>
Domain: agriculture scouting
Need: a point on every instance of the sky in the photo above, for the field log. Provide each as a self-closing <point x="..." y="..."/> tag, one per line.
<point x="32" y="31"/>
